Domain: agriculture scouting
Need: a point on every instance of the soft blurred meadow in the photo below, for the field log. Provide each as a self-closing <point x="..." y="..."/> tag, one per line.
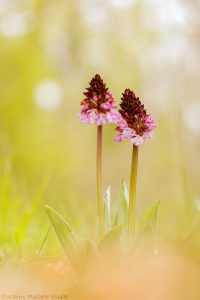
<point x="49" y="50"/>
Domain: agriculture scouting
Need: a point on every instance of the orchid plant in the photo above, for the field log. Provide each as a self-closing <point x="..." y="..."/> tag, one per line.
<point x="134" y="124"/>
<point x="99" y="108"/>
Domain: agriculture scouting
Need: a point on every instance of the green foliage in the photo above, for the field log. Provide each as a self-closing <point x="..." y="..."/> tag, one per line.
<point x="83" y="255"/>
<point x="110" y="241"/>
<point x="106" y="203"/>
<point x="28" y="216"/>
<point x="66" y="237"/>
<point x="19" y="214"/>
<point x="92" y="254"/>
<point x="122" y="206"/>
<point x="149" y="219"/>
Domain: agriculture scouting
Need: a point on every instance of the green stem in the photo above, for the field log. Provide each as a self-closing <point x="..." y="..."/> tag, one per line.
<point x="99" y="182"/>
<point x="132" y="193"/>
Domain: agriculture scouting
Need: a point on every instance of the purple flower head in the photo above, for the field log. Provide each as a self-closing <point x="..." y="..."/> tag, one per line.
<point x="99" y="106"/>
<point x="135" y="124"/>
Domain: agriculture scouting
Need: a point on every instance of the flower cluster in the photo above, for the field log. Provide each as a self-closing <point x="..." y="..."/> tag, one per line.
<point x="135" y="125"/>
<point x="99" y="106"/>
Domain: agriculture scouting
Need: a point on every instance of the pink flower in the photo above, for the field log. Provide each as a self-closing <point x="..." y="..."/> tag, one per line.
<point x="99" y="106"/>
<point x="135" y="124"/>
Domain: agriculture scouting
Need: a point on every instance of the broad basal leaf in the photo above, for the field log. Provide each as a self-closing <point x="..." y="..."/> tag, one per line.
<point x="65" y="236"/>
<point x="122" y="206"/>
<point x="149" y="219"/>
<point x="111" y="240"/>
<point x="92" y="254"/>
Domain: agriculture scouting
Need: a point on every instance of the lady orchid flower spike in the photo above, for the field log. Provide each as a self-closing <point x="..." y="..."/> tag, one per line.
<point x="137" y="126"/>
<point x="99" y="108"/>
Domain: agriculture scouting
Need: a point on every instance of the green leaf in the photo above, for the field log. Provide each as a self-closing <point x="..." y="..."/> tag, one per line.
<point x="106" y="204"/>
<point x="111" y="240"/>
<point x="149" y="220"/>
<point x="65" y="236"/>
<point x="122" y="206"/>
<point x="92" y="254"/>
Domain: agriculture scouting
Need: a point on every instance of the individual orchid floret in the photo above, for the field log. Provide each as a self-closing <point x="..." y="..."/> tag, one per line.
<point x="135" y="124"/>
<point x="99" y="106"/>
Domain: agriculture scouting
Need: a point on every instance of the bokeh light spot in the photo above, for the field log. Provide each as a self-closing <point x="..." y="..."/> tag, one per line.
<point x="13" y="24"/>
<point x="191" y="116"/>
<point x="122" y="3"/>
<point x="48" y="94"/>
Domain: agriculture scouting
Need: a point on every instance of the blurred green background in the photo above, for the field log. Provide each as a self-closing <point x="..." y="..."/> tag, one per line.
<point x="49" y="50"/>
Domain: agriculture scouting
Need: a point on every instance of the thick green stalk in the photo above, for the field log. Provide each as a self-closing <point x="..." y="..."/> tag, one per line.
<point x="132" y="193"/>
<point x="99" y="182"/>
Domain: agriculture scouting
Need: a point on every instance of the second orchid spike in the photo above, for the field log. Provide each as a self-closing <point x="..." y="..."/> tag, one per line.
<point x="135" y="124"/>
